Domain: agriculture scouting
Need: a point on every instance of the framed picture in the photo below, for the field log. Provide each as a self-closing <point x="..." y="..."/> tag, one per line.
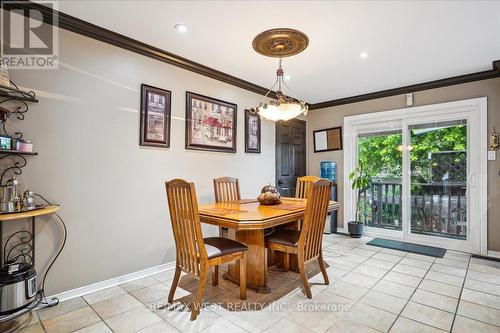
<point x="327" y="139"/>
<point x="155" y="116"/>
<point x="252" y="132"/>
<point x="210" y="124"/>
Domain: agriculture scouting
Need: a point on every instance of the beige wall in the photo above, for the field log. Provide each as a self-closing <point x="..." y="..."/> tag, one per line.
<point x="330" y="117"/>
<point x="111" y="190"/>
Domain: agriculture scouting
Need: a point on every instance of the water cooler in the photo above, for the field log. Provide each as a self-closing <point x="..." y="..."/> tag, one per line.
<point x="329" y="171"/>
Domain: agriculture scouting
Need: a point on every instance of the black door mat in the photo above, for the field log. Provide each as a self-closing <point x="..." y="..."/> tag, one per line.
<point x="408" y="247"/>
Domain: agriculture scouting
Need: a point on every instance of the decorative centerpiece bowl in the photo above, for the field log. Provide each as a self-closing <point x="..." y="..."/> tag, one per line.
<point x="269" y="196"/>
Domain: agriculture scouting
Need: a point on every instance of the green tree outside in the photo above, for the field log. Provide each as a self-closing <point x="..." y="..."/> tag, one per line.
<point x="381" y="156"/>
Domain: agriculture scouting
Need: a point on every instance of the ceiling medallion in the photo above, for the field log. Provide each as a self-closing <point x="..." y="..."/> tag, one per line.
<point x="280" y="43"/>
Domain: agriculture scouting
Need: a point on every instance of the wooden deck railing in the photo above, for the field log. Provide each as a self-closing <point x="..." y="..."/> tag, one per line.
<point x="435" y="208"/>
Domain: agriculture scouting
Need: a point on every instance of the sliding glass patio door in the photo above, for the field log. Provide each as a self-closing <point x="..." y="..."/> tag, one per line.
<point x="428" y="174"/>
<point x="438" y="178"/>
<point x="380" y="156"/>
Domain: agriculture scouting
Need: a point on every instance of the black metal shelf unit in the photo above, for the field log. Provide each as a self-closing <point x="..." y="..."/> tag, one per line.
<point x="14" y="93"/>
<point x="17" y="152"/>
<point x="13" y="104"/>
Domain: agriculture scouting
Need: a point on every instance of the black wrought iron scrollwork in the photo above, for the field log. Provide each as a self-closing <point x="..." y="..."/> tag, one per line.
<point x="18" y="113"/>
<point x="13" y="92"/>
<point x="28" y="94"/>
<point x="18" y="249"/>
<point x="17" y="135"/>
<point x="8" y="95"/>
<point x="20" y="110"/>
<point x="16" y="168"/>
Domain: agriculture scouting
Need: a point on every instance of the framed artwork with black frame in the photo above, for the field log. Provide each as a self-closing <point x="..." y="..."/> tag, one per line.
<point x="210" y="124"/>
<point x="327" y="139"/>
<point x="252" y="132"/>
<point x="155" y="116"/>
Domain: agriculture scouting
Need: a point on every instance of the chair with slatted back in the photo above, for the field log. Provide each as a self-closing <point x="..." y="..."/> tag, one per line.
<point x="195" y="254"/>
<point x="303" y="184"/>
<point x="307" y="242"/>
<point x="301" y="191"/>
<point x="302" y="188"/>
<point x="226" y="189"/>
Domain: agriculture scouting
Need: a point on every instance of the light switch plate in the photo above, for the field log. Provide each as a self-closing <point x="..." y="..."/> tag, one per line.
<point x="492" y="155"/>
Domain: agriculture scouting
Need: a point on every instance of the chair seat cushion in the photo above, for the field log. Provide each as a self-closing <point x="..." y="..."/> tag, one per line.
<point x="284" y="237"/>
<point x="219" y="246"/>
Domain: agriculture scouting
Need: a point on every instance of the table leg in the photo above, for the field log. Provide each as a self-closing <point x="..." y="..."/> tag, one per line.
<point x="33" y="241"/>
<point x="1" y="245"/>
<point x="256" y="260"/>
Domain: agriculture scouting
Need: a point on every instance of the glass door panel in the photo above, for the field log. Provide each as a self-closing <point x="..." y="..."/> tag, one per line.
<point x="380" y="155"/>
<point x="438" y="179"/>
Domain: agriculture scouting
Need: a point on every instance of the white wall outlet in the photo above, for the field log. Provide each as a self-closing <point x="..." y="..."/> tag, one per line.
<point x="492" y="155"/>
<point x="409" y="99"/>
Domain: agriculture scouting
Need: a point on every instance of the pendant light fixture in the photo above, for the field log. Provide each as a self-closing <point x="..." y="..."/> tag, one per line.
<point x="280" y="43"/>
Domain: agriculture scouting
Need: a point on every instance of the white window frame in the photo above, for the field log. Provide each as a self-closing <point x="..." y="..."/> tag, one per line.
<point x="475" y="111"/>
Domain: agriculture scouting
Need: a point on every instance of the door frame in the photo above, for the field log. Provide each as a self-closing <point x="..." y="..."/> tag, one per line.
<point x="477" y="134"/>
<point x="304" y="144"/>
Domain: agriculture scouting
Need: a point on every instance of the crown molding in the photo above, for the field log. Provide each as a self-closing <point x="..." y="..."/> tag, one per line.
<point x="84" y="28"/>
<point x="451" y="81"/>
<point x="96" y="32"/>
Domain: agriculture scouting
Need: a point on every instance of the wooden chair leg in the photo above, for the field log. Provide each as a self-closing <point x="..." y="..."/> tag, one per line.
<point x="323" y="269"/>
<point x="175" y="282"/>
<point x="303" y="276"/>
<point x="243" y="277"/>
<point x="286" y="261"/>
<point x="215" y="275"/>
<point x="195" y="310"/>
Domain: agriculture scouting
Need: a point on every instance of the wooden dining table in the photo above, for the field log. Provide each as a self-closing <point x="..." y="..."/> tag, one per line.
<point x="247" y="221"/>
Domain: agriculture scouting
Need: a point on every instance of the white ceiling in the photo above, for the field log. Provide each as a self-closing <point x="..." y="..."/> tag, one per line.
<point x="408" y="42"/>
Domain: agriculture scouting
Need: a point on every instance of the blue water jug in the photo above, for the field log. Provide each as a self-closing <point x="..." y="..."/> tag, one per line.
<point x="328" y="170"/>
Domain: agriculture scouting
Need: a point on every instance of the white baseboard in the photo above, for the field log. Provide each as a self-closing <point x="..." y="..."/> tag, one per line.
<point x="493" y="254"/>
<point x="66" y="295"/>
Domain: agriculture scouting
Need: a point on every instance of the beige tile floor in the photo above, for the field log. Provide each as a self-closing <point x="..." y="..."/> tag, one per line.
<point x="371" y="290"/>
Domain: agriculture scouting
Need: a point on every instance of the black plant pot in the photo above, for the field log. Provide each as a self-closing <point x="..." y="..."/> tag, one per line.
<point x="355" y="229"/>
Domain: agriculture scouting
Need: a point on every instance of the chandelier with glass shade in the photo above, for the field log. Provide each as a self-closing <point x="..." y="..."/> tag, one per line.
<point x="280" y="43"/>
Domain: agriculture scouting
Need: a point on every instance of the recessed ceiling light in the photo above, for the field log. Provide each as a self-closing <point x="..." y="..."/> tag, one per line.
<point x="287" y="77"/>
<point x="180" y="27"/>
<point x="363" y="55"/>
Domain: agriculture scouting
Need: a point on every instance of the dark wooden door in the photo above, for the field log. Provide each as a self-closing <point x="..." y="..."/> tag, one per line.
<point x="290" y="155"/>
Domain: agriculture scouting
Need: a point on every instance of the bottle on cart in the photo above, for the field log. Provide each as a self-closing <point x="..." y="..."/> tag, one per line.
<point x="28" y="200"/>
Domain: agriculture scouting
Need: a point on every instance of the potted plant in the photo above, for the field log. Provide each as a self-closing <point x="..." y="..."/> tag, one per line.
<point x="360" y="182"/>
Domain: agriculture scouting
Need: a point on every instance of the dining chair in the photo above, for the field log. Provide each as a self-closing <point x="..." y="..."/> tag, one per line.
<point x="301" y="191"/>
<point x="226" y="189"/>
<point x="303" y="184"/>
<point x="195" y="254"/>
<point x="307" y="242"/>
